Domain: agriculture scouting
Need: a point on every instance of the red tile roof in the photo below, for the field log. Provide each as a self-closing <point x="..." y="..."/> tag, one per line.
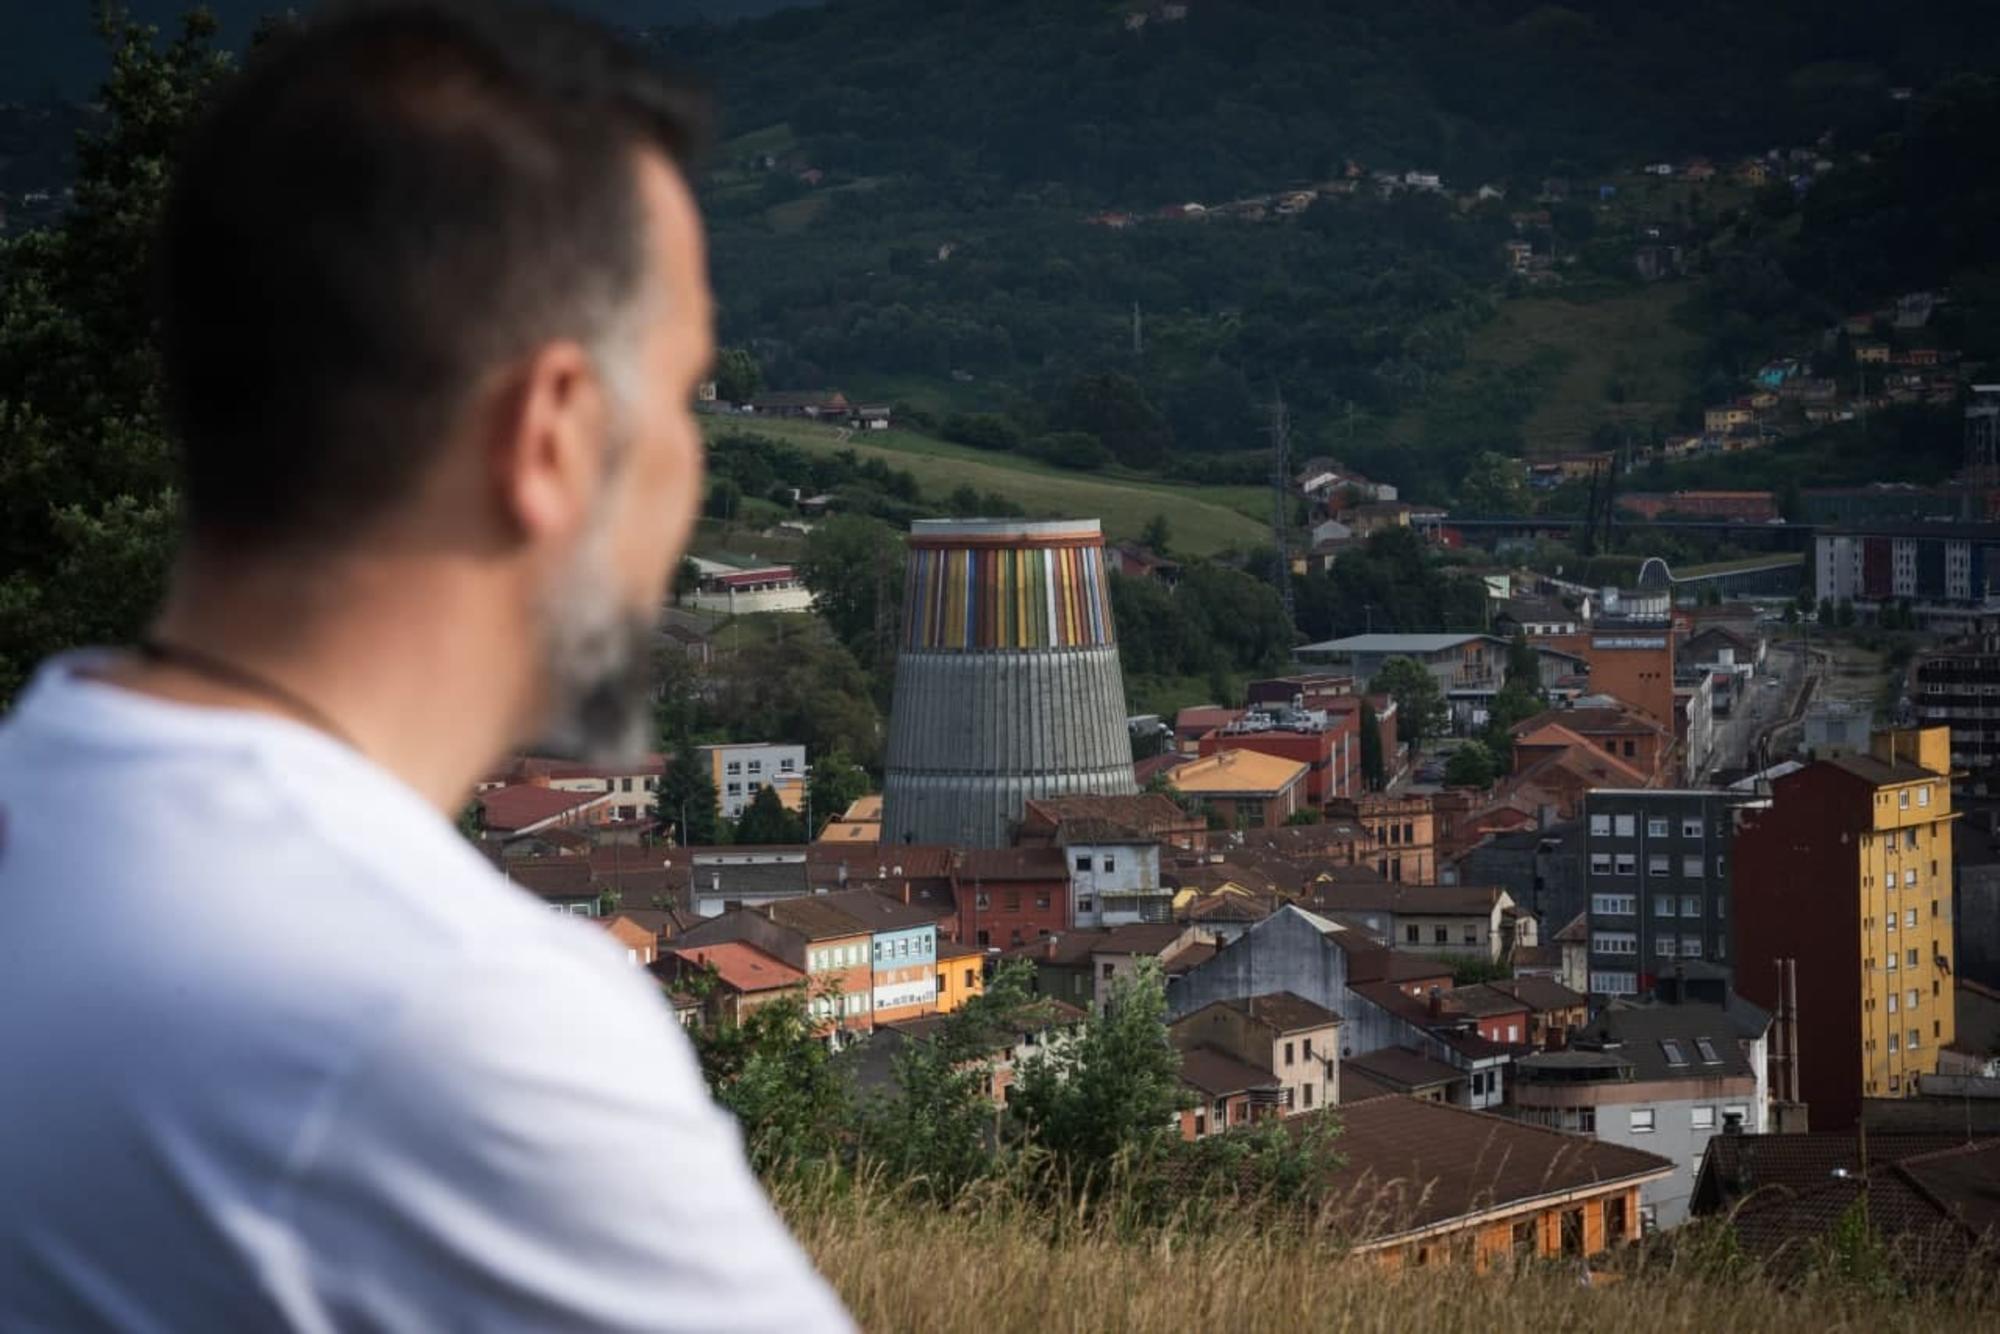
<point x="1410" y="1166"/>
<point x="521" y="805"/>
<point x="740" y="966"/>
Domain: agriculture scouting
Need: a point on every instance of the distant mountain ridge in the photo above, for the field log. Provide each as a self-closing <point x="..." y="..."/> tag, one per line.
<point x="1139" y="102"/>
<point x="48" y="50"/>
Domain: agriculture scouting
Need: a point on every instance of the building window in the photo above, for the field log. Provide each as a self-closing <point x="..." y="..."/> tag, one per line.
<point x="1110" y="864"/>
<point x="1903" y="799"/>
<point x="756" y="766"/>
<point x="1627" y="863"/>
<point x="1914" y="998"/>
<point x="1690" y="905"/>
<point x="1288" y="1053"/>
<point x="736" y="789"/>
<point x="1412" y="935"/>
<point x="1690" y="947"/>
<point x="1721" y="870"/>
<point x="1642" y="1121"/>
<point x="1613" y="905"/>
<point x="1042" y="902"/>
<point x="787" y="766"/>
<point x="1513" y="1032"/>
<point x="1306" y="1090"/>
<point x="1083" y="862"/>
<point x="1614" y="984"/>
<point x="733" y="767"/>
<point x="1656" y="826"/>
<point x="1471" y="934"/>
<point x="982" y="900"/>
<point x="1083" y="905"/>
<point x="1625" y="825"/>
<point x="1663" y="905"/>
<point x="1600" y="863"/>
<point x="1736" y="1115"/>
<point x="1691" y="827"/>
<point x="1910" y="877"/>
<point x="1663" y="946"/>
<point x="1440" y="935"/>
<point x="1656" y="863"/>
<point x="1911" y="960"/>
<point x="1691" y="867"/>
<point x="1614" y="942"/>
<point x="1108" y="970"/>
<point x="1894" y="1042"/>
<point x="1600" y="825"/>
<point x="1892" y="1002"/>
<point x="1702" y="1118"/>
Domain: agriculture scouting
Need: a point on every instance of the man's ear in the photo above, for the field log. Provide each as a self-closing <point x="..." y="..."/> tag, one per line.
<point x="547" y="441"/>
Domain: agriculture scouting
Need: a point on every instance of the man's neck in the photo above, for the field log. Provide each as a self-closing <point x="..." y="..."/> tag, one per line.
<point x="388" y="659"/>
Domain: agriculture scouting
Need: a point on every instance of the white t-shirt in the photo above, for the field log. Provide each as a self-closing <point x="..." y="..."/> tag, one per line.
<point x="278" y="1049"/>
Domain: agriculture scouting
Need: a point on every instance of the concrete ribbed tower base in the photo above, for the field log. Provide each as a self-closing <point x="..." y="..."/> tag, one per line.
<point x="1007" y="687"/>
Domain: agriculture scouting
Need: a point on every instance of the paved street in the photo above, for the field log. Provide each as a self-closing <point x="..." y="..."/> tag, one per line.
<point x="1768" y="699"/>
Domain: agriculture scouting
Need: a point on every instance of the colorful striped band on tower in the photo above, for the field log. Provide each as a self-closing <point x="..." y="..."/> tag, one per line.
<point x="1007" y="587"/>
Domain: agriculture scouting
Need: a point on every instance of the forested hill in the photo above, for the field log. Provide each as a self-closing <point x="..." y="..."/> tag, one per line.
<point x="1235" y="96"/>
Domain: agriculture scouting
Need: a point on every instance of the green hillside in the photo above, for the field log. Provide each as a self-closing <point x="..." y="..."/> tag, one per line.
<point x="1203" y="520"/>
<point x="965" y="207"/>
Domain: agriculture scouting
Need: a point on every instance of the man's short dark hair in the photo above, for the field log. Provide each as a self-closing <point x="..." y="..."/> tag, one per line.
<point x="389" y="202"/>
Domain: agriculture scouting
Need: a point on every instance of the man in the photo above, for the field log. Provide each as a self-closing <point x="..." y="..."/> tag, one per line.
<point x="277" y="1047"/>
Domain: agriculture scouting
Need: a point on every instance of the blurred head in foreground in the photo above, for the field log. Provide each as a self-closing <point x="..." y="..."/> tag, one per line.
<point x="434" y="308"/>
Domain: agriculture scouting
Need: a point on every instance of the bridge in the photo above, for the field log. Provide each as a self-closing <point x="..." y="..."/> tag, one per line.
<point x="1759" y="536"/>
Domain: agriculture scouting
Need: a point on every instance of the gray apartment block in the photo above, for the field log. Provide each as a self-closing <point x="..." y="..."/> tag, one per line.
<point x="1657" y="864"/>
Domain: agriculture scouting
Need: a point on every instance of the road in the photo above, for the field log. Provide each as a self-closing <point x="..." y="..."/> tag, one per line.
<point x="1769" y="700"/>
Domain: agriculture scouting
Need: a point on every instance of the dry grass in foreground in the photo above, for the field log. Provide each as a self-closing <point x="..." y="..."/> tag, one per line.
<point x="996" y="1266"/>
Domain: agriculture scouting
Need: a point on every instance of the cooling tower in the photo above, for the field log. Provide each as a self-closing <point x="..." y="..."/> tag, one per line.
<point x="1007" y="685"/>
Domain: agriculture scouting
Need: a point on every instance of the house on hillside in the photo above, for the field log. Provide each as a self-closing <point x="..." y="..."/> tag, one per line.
<point x="1289" y="1038"/>
<point x="814" y="404"/>
<point x="1432" y="1185"/>
<point x="1665" y="1078"/>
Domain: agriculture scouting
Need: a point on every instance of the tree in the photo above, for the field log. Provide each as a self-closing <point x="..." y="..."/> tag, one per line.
<point x="88" y="517"/>
<point x="1494" y="485"/>
<point x="1373" y="768"/>
<point x="982" y="430"/>
<point x="686" y="801"/>
<point x="1523" y="663"/>
<point x="1421" y="711"/>
<point x="1470" y="969"/>
<point x="738" y="377"/>
<point x="724" y="500"/>
<point x="1514" y="704"/>
<point x="837" y="782"/>
<point x="1844" y="613"/>
<point x="787" y="1091"/>
<point x="854" y="567"/>
<point x="1157" y="535"/>
<point x="931" y="1128"/>
<point x="1111" y="1091"/>
<point x="1471" y="765"/>
<point x="766" y="821"/>
<point x="1114" y="408"/>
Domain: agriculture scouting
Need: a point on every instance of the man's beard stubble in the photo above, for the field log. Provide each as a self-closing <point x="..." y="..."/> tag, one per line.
<point x="597" y="658"/>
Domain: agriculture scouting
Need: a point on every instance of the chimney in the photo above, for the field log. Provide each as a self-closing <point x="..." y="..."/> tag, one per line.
<point x="1437" y="1002"/>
